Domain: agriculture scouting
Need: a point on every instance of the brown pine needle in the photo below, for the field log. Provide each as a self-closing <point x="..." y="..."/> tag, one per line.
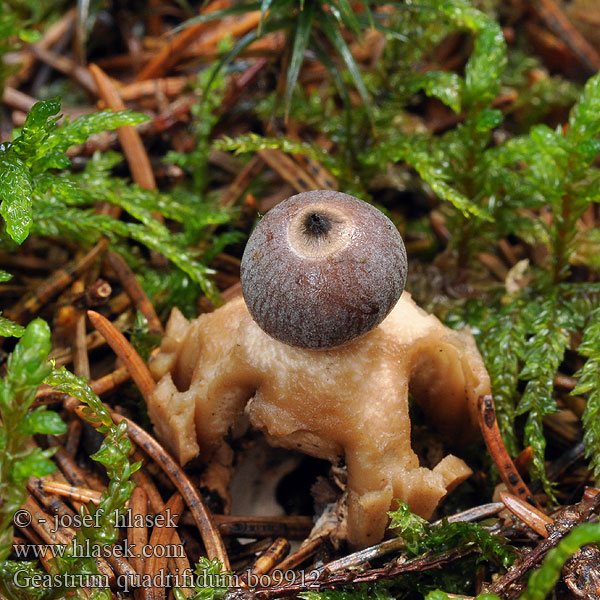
<point x="530" y="515"/>
<point x="56" y="283"/>
<point x="202" y="516"/>
<point x="81" y="363"/>
<point x="303" y="553"/>
<point x="138" y="536"/>
<point x="79" y="494"/>
<point x="135" y="291"/>
<point x="495" y="445"/>
<point x="173" y="51"/>
<point x="130" y="139"/>
<point x="162" y="537"/>
<point x="270" y="557"/>
<point x="125" y="351"/>
<point x="288" y="170"/>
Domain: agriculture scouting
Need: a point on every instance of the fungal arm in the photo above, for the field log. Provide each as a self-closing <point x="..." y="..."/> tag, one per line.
<point x="346" y="403"/>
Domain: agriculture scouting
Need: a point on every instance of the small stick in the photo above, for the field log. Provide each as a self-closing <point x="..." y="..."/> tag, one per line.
<point x="154" y="23"/>
<point x="125" y="351"/>
<point x="250" y="549"/>
<point x="174" y="113"/>
<point x="530" y="515"/>
<point x="52" y="36"/>
<point x="438" y="224"/>
<point x="153" y="499"/>
<point x="171" y="53"/>
<point x="131" y="142"/>
<point x="270" y="557"/>
<point x="138" y="536"/>
<point x="494" y="265"/>
<point x="202" y="516"/>
<point x="42" y="523"/>
<point x="495" y="445"/>
<point x="325" y="180"/>
<point x="507" y="252"/>
<point x="122" y="567"/>
<point x="135" y="291"/>
<point x="111" y="381"/>
<point x="563" y="523"/>
<point x="96" y="294"/>
<point x="477" y="513"/>
<point x="362" y="556"/>
<point x="179" y="566"/>
<point x="565" y="382"/>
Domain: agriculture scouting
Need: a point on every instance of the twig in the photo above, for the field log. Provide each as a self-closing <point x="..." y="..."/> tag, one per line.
<point x="362" y="556"/>
<point x="258" y="527"/>
<point x="155" y="501"/>
<point x="234" y="26"/>
<point x="52" y="36"/>
<point x="17" y="99"/>
<point x="417" y="565"/>
<point x="97" y="294"/>
<point x="241" y="82"/>
<point x="63" y="356"/>
<point x="54" y="505"/>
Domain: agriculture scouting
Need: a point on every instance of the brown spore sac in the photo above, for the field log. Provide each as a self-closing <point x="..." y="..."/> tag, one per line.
<point x="321" y="269"/>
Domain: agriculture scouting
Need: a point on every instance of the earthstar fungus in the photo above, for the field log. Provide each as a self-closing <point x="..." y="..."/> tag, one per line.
<point x="340" y="392"/>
